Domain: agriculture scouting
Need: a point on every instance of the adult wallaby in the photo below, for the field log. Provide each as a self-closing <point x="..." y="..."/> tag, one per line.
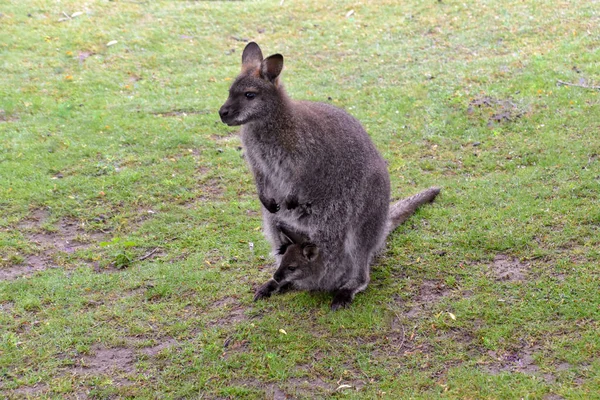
<point x="301" y="260"/>
<point x="316" y="171"/>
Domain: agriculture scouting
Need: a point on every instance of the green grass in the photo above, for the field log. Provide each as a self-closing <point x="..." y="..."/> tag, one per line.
<point x="120" y="148"/>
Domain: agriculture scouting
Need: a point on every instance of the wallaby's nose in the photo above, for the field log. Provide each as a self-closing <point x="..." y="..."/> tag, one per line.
<point x="223" y="112"/>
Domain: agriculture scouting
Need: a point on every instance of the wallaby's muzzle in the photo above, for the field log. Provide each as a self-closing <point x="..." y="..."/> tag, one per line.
<point x="228" y="115"/>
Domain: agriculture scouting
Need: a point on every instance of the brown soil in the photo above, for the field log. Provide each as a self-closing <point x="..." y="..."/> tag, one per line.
<point x="553" y="396"/>
<point x="107" y="361"/>
<point x="4" y="117"/>
<point x="496" y="110"/>
<point x="430" y="292"/>
<point x="293" y="388"/>
<point x="211" y="189"/>
<point x="509" y="269"/>
<point x="233" y="137"/>
<point x="235" y="313"/>
<point x="521" y="361"/>
<point x="157" y="349"/>
<point x="68" y="237"/>
<point x="26" y="392"/>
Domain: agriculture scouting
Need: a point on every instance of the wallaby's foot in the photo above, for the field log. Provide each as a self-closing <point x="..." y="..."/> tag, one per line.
<point x="266" y="290"/>
<point x="270" y="204"/>
<point x="341" y="299"/>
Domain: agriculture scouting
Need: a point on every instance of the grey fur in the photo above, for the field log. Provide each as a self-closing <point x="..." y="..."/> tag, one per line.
<point x="316" y="171"/>
<point x="301" y="258"/>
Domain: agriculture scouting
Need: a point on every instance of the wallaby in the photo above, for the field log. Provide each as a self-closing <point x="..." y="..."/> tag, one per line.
<point x="300" y="262"/>
<point x="301" y="259"/>
<point x="316" y="170"/>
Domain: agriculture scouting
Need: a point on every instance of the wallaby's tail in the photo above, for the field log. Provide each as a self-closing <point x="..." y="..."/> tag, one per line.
<point x="402" y="209"/>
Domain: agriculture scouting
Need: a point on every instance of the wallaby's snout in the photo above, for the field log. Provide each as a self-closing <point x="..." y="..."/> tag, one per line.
<point x="227" y="113"/>
<point x="255" y="94"/>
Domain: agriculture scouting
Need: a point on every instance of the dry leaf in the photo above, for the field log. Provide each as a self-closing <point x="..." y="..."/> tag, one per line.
<point x="452" y="316"/>
<point x="283" y="331"/>
<point x="111" y="43"/>
<point x="76" y="14"/>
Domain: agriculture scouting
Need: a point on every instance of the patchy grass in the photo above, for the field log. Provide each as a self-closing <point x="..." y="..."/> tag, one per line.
<point x="130" y="240"/>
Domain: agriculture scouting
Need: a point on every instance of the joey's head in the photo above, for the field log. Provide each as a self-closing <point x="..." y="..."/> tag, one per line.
<point x="300" y="261"/>
<point x="255" y="94"/>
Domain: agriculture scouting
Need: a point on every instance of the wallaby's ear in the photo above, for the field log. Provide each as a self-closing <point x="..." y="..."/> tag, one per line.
<point x="252" y="56"/>
<point x="310" y="251"/>
<point x="271" y="67"/>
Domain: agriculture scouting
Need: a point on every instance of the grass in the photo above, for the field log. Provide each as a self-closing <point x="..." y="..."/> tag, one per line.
<point x="115" y="169"/>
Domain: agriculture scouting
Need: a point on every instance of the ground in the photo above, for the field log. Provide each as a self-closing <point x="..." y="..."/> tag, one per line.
<point x="130" y="229"/>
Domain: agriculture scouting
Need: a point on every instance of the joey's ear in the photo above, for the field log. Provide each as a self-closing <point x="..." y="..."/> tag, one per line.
<point x="285" y="239"/>
<point x="271" y="67"/>
<point x="310" y="251"/>
<point x="289" y="236"/>
<point x="252" y="56"/>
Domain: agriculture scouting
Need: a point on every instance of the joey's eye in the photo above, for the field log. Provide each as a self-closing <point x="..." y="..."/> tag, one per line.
<point x="292" y="267"/>
<point x="250" y="95"/>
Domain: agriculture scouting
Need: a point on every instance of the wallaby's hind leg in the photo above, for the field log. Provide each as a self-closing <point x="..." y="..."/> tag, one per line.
<point x="341" y="299"/>
<point x="343" y="296"/>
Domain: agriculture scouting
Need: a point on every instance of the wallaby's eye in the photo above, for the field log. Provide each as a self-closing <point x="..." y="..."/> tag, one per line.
<point x="292" y="267"/>
<point x="250" y="95"/>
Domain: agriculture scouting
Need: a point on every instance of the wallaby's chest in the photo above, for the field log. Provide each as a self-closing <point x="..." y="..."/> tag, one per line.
<point x="272" y="162"/>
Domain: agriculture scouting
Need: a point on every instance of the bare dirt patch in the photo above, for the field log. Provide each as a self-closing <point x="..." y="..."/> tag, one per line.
<point x="7" y="306"/>
<point x="430" y="292"/>
<point x="67" y="237"/>
<point x="521" y="361"/>
<point x="108" y="362"/>
<point x="26" y="392"/>
<point x="157" y="349"/>
<point x="510" y="269"/>
<point x="235" y="312"/>
<point x="294" y="388"/>
<point x="233" y="137"/>
<point x="553" y="396"/>
<point x="210" y="189"/>
<point x="5" y="117"/>
<point x="495" y="110"/>
<point x="234" y="347"/>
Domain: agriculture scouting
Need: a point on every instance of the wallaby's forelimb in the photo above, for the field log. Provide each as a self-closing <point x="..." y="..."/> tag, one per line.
<point x="266" y="289"/>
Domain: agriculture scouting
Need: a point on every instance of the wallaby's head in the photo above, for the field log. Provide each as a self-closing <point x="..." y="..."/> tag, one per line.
<point x="255" y="94"/>
<point x="300" y="259"/>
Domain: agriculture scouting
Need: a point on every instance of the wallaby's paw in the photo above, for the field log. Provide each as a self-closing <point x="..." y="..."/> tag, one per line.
<point x="270" y="204"/>
<point x="291" y="202"/>
<point x="342" y="299"/>
<point x="259" y="295"/>
<point x="265" y="290"/>
<point x="286" y="287"/>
